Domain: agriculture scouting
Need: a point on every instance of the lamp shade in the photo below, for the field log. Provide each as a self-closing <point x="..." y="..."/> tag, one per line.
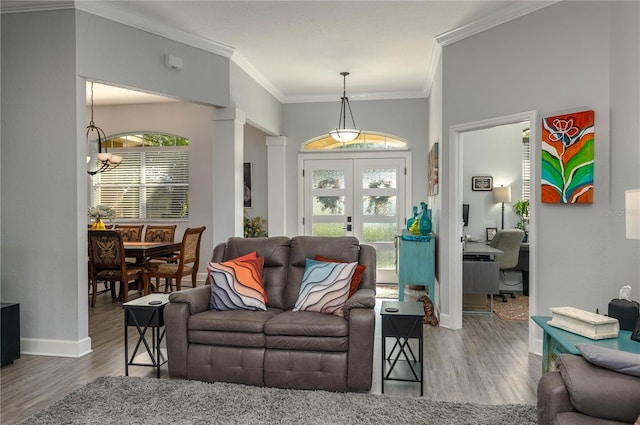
<point x="502" y="194"/>
<point x="632" y="213"/>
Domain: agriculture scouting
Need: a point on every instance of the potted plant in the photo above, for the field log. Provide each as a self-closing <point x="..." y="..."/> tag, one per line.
<point x="521" y="208"/>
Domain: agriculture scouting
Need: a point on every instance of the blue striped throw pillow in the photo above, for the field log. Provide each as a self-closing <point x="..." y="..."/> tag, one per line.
<point x="325" y="287"/>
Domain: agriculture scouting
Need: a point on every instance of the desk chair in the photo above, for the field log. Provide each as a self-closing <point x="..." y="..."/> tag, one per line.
<point x="509" y="242"/>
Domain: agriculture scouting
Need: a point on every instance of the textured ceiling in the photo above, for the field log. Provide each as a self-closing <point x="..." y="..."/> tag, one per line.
<point x="297" y="49"/>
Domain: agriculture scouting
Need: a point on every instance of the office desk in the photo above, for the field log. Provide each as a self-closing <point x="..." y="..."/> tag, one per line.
<point x="480" y="272"/>
<point x="480" y="249"/>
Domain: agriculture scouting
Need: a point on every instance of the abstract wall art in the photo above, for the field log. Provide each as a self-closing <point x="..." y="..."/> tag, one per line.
<point x="433" y="170"/>
<point x="567" y="158"/>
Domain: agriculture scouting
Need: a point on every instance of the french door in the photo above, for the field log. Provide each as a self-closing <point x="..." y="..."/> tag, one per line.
<point x="364" y="198"/>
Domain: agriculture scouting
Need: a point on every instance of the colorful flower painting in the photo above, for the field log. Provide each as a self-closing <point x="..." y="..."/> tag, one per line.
<point x="567" y="158"/>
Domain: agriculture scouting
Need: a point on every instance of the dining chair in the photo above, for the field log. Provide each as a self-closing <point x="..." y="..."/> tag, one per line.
<point x="160" y="233"/>
<point x="130" y="232"/>
<point x="107" y="263"/>
<point x="183" y="264"/>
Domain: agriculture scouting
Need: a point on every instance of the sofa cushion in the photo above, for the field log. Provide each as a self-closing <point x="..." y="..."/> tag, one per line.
<point x="307" y="323"/>
<point x="231" y="320"/>
<point x="325" y="287"/>
<point x="600" y="392"/>
<point x="237" y="285"/>
<point x="355" y="279"/>
<point x="619" y="361"/>
<point x="307" y="331"/>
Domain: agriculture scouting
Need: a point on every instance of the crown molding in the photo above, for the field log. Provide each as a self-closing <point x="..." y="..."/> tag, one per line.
<point x="263" y="81"/>
<point x="26" y="6"/>
<point x="104" y="9"/>
<point x="499" y="17"/>
<point x="358" y="97"/>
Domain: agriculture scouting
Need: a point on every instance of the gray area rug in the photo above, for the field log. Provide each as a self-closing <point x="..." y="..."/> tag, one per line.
<point x="129" y="400"/>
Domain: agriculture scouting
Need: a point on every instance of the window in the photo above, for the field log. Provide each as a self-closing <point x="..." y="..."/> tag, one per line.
<point x="152" y="182"/>
<point x="366" y="140"/>
<point x="526" y="166"/>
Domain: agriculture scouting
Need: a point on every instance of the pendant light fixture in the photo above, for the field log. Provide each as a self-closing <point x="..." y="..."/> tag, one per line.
<point x="342" y="133"/>
<point x="106" y="161"/>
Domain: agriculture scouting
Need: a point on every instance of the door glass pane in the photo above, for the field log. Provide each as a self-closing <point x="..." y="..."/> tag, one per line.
<point x="379" y="205"/>
<point x="379" y="232"/>
<point x="385" y="257"/>
<point x="328" y="179"/>
<point x="328" y="205"/>
<point x="328" y="229"/>
<point x="379" y="178"/>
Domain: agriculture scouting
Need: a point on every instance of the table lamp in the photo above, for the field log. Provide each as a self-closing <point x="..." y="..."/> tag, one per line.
<point x="632" y="213"/>
<point x="501" y="195"/>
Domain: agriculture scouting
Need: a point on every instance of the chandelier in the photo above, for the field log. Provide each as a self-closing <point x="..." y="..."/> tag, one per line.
<point x="342" y="133"/>
<point x="106" y="161"/>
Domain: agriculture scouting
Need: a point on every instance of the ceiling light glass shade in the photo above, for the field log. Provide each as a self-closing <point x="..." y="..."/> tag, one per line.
<point x="104" y="156"/>
<point x="342" y="133"/>
<point x="345" y="134"/>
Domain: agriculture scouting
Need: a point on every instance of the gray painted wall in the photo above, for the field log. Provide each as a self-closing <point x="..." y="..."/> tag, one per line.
<point x="568" y="56"/>
<point x="41" y="232"/>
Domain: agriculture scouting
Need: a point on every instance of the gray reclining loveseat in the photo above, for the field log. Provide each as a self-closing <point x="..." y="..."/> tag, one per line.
<point x="278" y="347"/>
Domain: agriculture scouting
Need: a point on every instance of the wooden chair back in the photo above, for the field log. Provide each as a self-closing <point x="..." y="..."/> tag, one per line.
<point x="160" y="233"/>
<point x="130" y="232"/>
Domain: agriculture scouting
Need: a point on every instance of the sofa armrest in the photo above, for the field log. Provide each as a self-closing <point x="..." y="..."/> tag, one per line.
<point x="553" y="398"/>
<point x="599" y="392"/>
<point x="362" y="322"/>
<point x="362" y="298"/>
<point x="197" y="299"/>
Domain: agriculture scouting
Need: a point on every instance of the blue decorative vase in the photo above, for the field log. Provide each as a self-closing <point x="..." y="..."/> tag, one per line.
<point x="412" y="219"/>
<point x="425" y="224"/>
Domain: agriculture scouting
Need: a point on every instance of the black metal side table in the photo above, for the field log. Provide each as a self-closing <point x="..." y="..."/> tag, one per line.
<point x="144" y="313"/>
<point x="402" y="321"/>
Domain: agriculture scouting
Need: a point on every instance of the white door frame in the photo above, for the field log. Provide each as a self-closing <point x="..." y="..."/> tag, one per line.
<point x="406" y="209"/>
<point x="455" y="212"/>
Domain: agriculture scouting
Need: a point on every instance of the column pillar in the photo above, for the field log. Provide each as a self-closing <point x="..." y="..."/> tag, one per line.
<point x="228" y="152"/>
<point x="276" y="181"/>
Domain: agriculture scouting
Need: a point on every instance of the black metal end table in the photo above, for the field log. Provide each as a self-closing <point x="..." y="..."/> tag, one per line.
<point x="402" y="321"/>
<point x="144" y="313"/>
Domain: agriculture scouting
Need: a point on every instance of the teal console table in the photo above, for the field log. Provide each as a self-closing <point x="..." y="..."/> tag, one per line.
<point x="556" y="341"/>
<point x="416" y="263"/>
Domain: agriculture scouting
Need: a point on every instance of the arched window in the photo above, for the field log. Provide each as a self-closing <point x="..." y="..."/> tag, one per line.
<point x="366" y="140"/>
<point x="152" y="182"/>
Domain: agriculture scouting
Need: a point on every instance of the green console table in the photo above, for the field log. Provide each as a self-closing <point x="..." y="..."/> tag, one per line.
<point x="416" y="263"/>
<point x="556" y="341"/>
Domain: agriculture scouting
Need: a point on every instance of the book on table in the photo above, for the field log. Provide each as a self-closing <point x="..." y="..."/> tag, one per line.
<point x="584" y="323"/>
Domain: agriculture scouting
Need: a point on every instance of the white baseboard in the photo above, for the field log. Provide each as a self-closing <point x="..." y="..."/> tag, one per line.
<point x="55" y="347"/>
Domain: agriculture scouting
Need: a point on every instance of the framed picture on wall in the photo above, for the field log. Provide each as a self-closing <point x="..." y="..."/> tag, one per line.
<point x="482" y="183"/>
<point x="247" y="185"/>
<point x="491" y="232"/>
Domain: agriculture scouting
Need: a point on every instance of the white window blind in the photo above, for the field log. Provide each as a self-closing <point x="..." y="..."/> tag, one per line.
<point x="526" y="166"/>
<point x="150" y="183"/>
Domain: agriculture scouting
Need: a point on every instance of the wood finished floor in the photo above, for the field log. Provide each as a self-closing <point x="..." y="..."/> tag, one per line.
<point x="485" y="362"/>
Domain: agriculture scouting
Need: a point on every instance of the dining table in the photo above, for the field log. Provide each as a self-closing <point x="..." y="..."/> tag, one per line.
<point x="142" y="251"/>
